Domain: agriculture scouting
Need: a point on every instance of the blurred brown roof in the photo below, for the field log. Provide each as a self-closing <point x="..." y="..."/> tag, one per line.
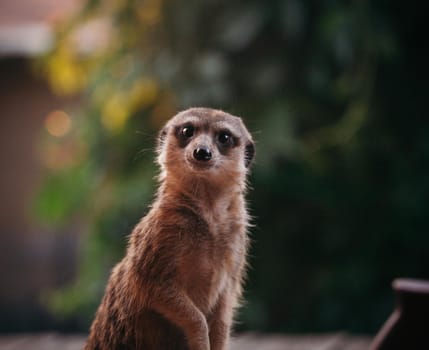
<point x="24" y="11"/>
<point x="26" y="25"/>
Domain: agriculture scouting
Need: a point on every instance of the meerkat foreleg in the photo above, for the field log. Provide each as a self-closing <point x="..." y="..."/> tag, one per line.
<point x="181" y="311"/>
<point x="220" y="321"/>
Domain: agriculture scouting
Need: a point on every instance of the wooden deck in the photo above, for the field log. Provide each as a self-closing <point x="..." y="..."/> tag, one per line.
<point x="248" y="341"/>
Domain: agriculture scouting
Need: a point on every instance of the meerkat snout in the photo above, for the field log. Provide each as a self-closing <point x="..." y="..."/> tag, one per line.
<point x="202" y="153"/>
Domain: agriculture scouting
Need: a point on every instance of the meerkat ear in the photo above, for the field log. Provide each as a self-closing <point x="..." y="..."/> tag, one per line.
<point x="249" y="153"/>
<point x="161" y="137"/>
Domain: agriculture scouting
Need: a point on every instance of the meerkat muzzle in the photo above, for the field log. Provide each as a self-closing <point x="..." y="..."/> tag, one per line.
<point x="202" y="153"/>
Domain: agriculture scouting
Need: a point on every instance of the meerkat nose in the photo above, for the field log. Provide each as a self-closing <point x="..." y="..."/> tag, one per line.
<point x="202" y="153"/>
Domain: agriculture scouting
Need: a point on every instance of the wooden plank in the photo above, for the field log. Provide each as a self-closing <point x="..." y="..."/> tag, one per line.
<point x="248" y="341"/>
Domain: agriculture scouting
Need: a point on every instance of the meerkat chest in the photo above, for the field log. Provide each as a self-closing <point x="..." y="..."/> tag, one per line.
<point x="215" y="262"/>
<point x="207" y="276"/>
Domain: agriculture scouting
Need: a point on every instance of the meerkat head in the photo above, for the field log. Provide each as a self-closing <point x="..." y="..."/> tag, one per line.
<point x="206" y="144"/>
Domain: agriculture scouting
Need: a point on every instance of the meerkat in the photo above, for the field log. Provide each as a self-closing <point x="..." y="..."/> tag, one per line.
<point x="181" y="278"/>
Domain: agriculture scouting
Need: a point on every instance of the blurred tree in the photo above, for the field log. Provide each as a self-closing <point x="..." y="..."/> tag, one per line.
<point x="334" y="94"/>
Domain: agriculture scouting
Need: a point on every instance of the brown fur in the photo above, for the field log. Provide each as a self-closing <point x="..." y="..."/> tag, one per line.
<point x="181" y="279"/>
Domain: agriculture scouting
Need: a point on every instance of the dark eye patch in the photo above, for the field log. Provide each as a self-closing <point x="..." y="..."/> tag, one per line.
<point x="226" y="139"/>
<point x="187" y="131"/>
<point x="184" y="133"/>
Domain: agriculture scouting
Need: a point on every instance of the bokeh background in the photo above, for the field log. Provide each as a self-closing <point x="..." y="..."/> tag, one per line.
<point x="335" y="93"/>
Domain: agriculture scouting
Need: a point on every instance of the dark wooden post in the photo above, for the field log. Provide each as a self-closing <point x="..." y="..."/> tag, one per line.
<point x="408" y="326"/>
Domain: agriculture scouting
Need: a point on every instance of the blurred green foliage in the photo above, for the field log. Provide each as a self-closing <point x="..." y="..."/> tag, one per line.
<point x="335" y="96"/>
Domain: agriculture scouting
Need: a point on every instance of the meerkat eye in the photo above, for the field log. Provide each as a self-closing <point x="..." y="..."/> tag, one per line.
<point x="187" y="131"/>
<point x="225" y="138"/>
